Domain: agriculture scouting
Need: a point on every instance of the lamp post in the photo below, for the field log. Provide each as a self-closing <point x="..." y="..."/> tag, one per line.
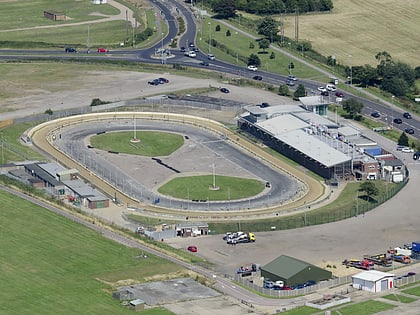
<point x="209" y="23"/>
<point x="392" y="111"/>
<point x="236" y="45"/>
<point x="161" y="50"/>
<point x="351" y="71"/>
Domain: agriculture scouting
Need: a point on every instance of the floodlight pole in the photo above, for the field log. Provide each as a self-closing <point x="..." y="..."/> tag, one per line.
<point x="214" y="177"/>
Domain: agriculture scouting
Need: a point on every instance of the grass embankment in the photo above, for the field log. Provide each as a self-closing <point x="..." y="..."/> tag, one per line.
<point x="58" y="266"/>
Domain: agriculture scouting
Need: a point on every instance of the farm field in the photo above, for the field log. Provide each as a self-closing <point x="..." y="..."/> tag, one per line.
<point x="52" y="265"/>
<point x="357" y="30"/>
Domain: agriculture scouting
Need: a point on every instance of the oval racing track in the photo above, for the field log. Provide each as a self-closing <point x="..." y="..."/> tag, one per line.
<point x="285" y="178"/>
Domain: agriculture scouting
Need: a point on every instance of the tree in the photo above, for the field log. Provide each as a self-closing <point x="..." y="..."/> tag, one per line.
<point x="217" y="28"/>
<point x="268" y="27"/>
<point x="352" y="107"/>
<point x="273" y="55"/>
<point x="228" y="33"/>
<point x="369" y="188"/>
<point x="283" y="90"/>
<point x="254" y="60"/>
<point x="251" y="45"/>
<point x="403" y="140"/>
<point x="224" y="8"/>
<point x="264" y="44"/>
<point x="49" y="112"/>
<point x="300" y="91"/>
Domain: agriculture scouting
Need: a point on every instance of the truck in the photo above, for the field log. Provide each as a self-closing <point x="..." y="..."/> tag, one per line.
<point x="380" y="260"/>
<point x="242" y="238"/>
<point x="400" y="251"/>
<point x="247" y="270"/>
<point x="401" y="258"/>
<point x="364" y="264"/>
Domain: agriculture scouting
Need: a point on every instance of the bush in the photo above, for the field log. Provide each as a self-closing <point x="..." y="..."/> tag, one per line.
<point x="228" y="33"/>
<point x="217" y="28"/>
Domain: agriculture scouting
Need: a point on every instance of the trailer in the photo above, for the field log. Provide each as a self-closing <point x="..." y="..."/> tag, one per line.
<point x="380" y="260"/>
<point x="401" y="258"/>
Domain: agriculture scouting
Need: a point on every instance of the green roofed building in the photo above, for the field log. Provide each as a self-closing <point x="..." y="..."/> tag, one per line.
<point x="293" y="271"/>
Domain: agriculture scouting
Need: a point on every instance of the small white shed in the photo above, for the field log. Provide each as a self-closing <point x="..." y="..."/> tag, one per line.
<point x="373" y="281"/>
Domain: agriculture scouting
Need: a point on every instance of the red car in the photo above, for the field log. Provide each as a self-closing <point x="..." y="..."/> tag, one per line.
<point x="102" y="50"/>
<point x="192" y="249"/>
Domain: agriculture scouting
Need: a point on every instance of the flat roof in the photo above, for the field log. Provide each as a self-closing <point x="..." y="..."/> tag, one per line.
<point x="82" y="189"/>
<point x="35" y="169"/>
<point x="313" y="147"/>
<point x="52" y="168"/>
<point x="314" y="100"/>
<point x="281" y="124"/>
<point x="315" y="119"/>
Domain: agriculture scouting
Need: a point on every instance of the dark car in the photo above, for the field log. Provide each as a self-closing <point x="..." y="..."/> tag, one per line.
<point x="163" y="80"/>
<point x="204" y="63"/>
<point x="183" y="49"/>
<point x="257" y="77"/>
<point x="325" y="93"/>
<point x="154" y="82"/>
<point x="102" y="50"/>
<point x="192" y="248"/>
<point x="410" y="131"/>
<point x="224" y="90"/>
<point x="339" y="94"/>
<point x="70" y="50"/>
<point x="264" y="104"/>
<point x="375" y="114"/>
<point x="407" y="115"/>
<point x="398" y="121"/>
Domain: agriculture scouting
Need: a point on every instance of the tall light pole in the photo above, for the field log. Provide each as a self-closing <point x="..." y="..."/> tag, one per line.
<point x="161" y="50"/>
<point x="392" y="111"/>
<point x="351" y="71"/>
<point x="236" y="45"/>
<point x="209" y="23"/>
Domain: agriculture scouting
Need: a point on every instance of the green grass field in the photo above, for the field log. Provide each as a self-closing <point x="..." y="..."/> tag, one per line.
<point x="399" y="298"/>
<point x="364" y="308"/>
<point x="197" y="188"/>
<point x="413" y="291"/>
<point x="52" y="265"/>
<point x="355" y="31"/>
<point x="151" y="143"/>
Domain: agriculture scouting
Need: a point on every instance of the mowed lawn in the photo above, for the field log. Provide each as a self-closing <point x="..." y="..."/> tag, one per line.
<point x="52" y="265"/>
<point x="198" y="188"/>
<point x="152" y="143"/>
<point x="361" y="29"/>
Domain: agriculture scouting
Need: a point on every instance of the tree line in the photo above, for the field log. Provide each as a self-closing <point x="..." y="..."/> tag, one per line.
<point x="228" y="8"/>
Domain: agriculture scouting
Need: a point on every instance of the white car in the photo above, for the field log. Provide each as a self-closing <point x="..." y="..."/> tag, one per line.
<point x="331" y="87"/>
<point x="252" y="68"/>
<point x="210" y="57"/>
<point x="322" y="89"/>
<point x="407" y="150"/>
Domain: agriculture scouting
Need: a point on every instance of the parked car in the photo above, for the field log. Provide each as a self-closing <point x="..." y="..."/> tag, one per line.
<point x="410" y="131"/>
<point x="398" y="121"/>
<point x="257" y="77"/>
<point x="331" y="87"/>
<point x="252" y="68"/>
<point x="192" y="248"/>
<point x="291" y="77"/>
<point x="154" y="82"/>
<point x="375" y="114"/>
<point x="163" y="80"/>
<point x="264" y="104"/>
<point x="407" y="150"/>
<point x="407" y="115"/>
<point x="325" y="93"/>
<point x="70" y="50"/>
<point x="224" y="90"/>
<point x="322" y="89"/>
<point x="210" y="57"/>
<point x="339" y="94"/>
<point x="102" y="50"/>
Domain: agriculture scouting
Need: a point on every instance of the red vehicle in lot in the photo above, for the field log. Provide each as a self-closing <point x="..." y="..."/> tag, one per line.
<point x="192" y="248"/>
<point x="102" y="50"/>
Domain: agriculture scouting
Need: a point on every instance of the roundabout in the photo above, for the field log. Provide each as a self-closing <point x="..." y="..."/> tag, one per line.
<point x="135" y="180"/>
